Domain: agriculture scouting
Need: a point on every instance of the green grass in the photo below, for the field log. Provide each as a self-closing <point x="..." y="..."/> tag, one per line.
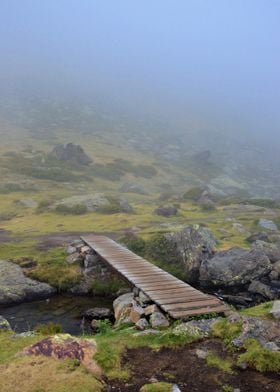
<point x="260" y="358"/>
<point x="261" y="310"/>
<point x="226" y="331"/>
<point x="224" y="365"/>
<point x="157" y="387"/>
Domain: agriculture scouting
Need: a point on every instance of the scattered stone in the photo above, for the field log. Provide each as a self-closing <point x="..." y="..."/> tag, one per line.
<point x="142" y="324"/>
<point x="234" y="267"/>
<point x="97" y="313"/>
<point x="267" y="224"/>
<point x="122" y="306"/>
<point x="202" y="354"/>
<point x="143" y="299"/>
<point x="271" y="346"/>
<point x="151" y="309"/>
<point x="74" y="258"/>
<point x="136" y="313"/>
<point x="158" y="320"/>
<point x="257" y="287"/>
<point x="85" y="249"/>
<point x="64" y="346"/>
<point x="238" y="227"/>
<point x="91" y="260"/>
<point x="133" y="188"/>
<point x="15" y="287"/>
<point x="275" y="311"/>
<point x="4" y="324"/>
<point x="71" y="249"/>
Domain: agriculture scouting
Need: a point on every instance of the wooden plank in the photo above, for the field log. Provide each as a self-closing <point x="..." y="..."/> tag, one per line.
<point x="178" y="300"/>
<point x="156" y="285"/>
<point x="193" y="312"/>
<point x="190" y="305"/>
<point x="163" y="295"/>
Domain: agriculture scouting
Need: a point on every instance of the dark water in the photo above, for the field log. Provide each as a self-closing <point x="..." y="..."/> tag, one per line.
<point x="60" y="309"/>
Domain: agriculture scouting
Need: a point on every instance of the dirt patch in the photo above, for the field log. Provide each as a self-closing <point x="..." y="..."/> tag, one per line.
<point x="181" y="366"/>
<point x="54" y="240"/>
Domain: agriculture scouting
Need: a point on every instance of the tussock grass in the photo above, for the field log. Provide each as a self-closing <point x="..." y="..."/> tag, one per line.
<point x="224" y="365"/>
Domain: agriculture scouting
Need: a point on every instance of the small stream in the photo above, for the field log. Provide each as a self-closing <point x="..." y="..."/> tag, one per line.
<point x="60" y="309"/>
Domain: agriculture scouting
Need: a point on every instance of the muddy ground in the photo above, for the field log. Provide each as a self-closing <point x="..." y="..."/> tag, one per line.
<point x="181" y="366"/>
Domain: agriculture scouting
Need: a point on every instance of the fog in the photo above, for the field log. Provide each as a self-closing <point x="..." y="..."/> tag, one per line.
<point x="211" y="65"/>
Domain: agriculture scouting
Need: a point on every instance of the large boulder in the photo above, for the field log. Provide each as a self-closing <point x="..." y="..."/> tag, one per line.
<point x="15" y="287"/>
<point x="257" y="287"/>
<point x="234" y="267"/>
<point x="97" y="313"/>
<point x="189" y="247"/>
<point x="94" y="202"/>
<point x="71" y="152"/>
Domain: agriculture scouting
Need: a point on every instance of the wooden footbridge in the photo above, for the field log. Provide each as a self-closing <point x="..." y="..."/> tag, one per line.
<point x="172" y="295"/>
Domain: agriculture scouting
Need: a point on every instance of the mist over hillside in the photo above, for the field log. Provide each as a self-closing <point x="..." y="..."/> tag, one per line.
<point x="228" y="163"/>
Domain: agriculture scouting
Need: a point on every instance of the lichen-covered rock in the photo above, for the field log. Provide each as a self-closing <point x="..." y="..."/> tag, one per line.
<point x="235" y="266"/>
<point x="199" y="328"/>
<point x="16" y="287"/>
<point x="166" y="211"/>
<point x="64" y="346"/>
<point x="142" y="324"/>
<point x="4" y="324"/>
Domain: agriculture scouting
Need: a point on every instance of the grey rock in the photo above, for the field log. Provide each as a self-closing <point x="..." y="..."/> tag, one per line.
<point x="235" y="266"/>
<point x="166" y="211"/>
<point x="74" y="258"/>
<point x="4" y="324"/>
<point x="91" y="260"/>
<point x="257" y="287"/>
<point x="142" y="324"/>
<point x="267" y="224"/>
<point x="257" y="237"/>
<point x="97" y="313"/>
<point x="151" y="309"/>
<point x="70" y="250"/>
<point x="143" y="299"/>
<point x="30" y="203"/>
<point x="133" y="188"/>
<point x="275" y="311"/>
<point x="272" y="251"/>
<point x="189" y="247"/>
<point x="202" y="354"/>
<point x="147" y="332"/>
<point x="71" y="152"/>
<point x="158" y="320"/>
<point x="122" y="306"/>
<point x="15" y="287"/>
<point x="271" y="346"/>
<point x="136" y="313"/>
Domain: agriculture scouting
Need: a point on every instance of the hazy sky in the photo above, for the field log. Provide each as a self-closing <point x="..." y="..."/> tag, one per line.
<point x="215" y="61"/>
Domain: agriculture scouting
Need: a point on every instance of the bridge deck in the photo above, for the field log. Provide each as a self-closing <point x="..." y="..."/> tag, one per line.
<point x="175" y="297"/>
